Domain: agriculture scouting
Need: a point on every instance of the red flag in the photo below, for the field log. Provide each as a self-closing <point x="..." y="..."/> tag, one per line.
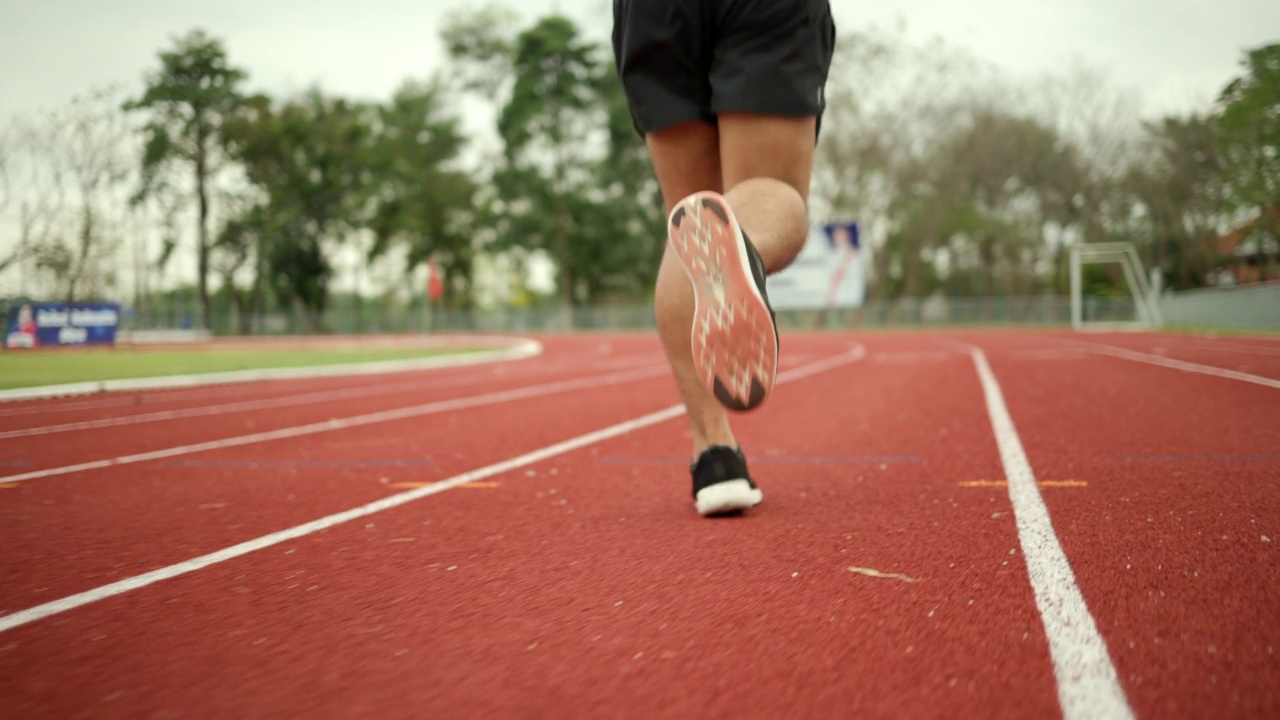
<point x="435" y="283"/>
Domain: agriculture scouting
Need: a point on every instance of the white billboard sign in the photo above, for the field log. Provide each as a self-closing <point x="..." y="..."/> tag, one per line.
<point x="828" y="272"/>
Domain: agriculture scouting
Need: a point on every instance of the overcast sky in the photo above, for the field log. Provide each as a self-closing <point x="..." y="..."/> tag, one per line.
<point x="1180" y="51"/>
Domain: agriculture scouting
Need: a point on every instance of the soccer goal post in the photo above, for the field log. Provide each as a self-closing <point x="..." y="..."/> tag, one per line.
<point x="1146" y="307"/>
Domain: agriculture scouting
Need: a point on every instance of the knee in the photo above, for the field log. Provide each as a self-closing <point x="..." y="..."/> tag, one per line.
<point x="776" y="189"/>
<point x="775" y="215"/>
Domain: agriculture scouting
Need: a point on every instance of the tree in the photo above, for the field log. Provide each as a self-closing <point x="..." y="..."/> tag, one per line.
<point x="1171" y="199"/>
<point x="89" y="143"/>
<point x="73" y="166"/>
<point x="573" y="179"/>
<point x="422" y="200"/>
<point x="31" y="165"/>
<point x="237" y="249"/>
<point x="543" y="125"/>
<point x="631" y="226"/>
<point x="1249" y="138"/>
<point x="963" y="180"/>
<point x="481" y="43"/>
<point x="890" y="106"/>
<point x="309" y="159"/>
<point x="854" y="153"/>
<point x="1020" y="178"/>
<point x="6" y="192"/>
<point x="188" y="99"/>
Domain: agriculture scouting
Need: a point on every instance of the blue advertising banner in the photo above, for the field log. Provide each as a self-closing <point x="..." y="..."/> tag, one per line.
<point x="33" y="325"/>
<point x="828" y="272"/>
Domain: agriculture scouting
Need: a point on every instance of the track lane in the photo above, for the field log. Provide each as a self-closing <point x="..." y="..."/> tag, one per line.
<point x="1261" y="361"/>
<point x="590" y="582"/>
<point x="58" y="449"/>
<point x="1167" y="537"/>
<point x="184" y="506"/>
<point x="561" y="356"/>
<point x="133" y="518"/>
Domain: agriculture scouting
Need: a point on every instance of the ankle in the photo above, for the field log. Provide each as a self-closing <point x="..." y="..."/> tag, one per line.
<point x="702" y="446"/>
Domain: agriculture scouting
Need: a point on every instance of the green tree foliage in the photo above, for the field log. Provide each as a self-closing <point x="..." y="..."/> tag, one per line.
<point x="187" y="99"/>
<point x="1002" y="180"/>
<point x="1250" y="130"/>
<point x="573" y="180"/>
<point x="240" y="244"/>
<point x="309" y="158"/>
<point x="421" y="198"/>
<point x="1175" y="200"/>
<point x="1249" y="137"/>
<point x="481" y="40"/>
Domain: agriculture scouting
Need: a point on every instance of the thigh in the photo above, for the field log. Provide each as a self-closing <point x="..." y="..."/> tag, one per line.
<point x="686" y="160"/>
<point x="767" y="146"/>
<point x="662" y="53"/>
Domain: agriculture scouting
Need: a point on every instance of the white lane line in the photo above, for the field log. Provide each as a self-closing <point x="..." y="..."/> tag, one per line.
<point x="910" y="357"/>
<point x="220" y="409"/>
<point x="68" y="406"/>
<point x="350" y="422"/>
<point x="272" y="403"/>
<point x="1182" y="365"/>
<point x="1048" y="354"/>
<point x="1088" y="686"/>
<point x="237" y="392"/>
<point x="1212" y="343"/>
<point x="39" y="612"/>
<point x="1234" y="348"/>
<point x="8" y="622"/>
<point x="520" y="350"/>
<point x="853" y="354"/>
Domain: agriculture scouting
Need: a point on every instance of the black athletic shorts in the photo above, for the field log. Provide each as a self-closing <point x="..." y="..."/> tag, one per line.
<point x="682" y="60"/>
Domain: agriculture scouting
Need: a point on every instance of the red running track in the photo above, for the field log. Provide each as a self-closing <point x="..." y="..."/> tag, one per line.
<point x="884" y="575"/>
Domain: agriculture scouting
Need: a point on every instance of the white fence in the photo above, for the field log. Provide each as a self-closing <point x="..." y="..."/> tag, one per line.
<point x="1252" y="307"/>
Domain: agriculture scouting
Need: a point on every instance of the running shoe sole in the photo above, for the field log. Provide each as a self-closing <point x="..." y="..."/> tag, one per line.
<point x="735" y="342"/>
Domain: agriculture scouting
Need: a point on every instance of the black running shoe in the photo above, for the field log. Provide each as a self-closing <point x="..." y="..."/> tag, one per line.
<point x="721" y="483"/>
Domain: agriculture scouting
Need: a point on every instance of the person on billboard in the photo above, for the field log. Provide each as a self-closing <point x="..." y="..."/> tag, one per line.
<point x="844" y="240"/>
<point x="728" y="96"/>
<point x="22" y="333"/>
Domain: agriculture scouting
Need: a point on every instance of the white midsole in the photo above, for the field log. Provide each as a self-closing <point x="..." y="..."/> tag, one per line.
<point x="727" y="495"/>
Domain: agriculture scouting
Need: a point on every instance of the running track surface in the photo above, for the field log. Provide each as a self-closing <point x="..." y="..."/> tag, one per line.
<point x="1111" y="548"/>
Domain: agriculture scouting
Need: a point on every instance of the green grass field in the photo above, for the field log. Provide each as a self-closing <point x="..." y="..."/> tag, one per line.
<point x="28" y="369"/>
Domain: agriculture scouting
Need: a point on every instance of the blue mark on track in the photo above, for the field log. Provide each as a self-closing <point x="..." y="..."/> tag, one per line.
<point x="1195" y="458"/>
<point x="821" y="459"/>
<point x="297" y="463"/>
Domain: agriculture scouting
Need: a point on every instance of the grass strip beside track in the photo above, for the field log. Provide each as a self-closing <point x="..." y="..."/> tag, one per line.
<point x="19" y="369"/>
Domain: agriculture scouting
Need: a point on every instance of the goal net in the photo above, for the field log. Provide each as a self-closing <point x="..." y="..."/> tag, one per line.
<point x="1139" y="311"/>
